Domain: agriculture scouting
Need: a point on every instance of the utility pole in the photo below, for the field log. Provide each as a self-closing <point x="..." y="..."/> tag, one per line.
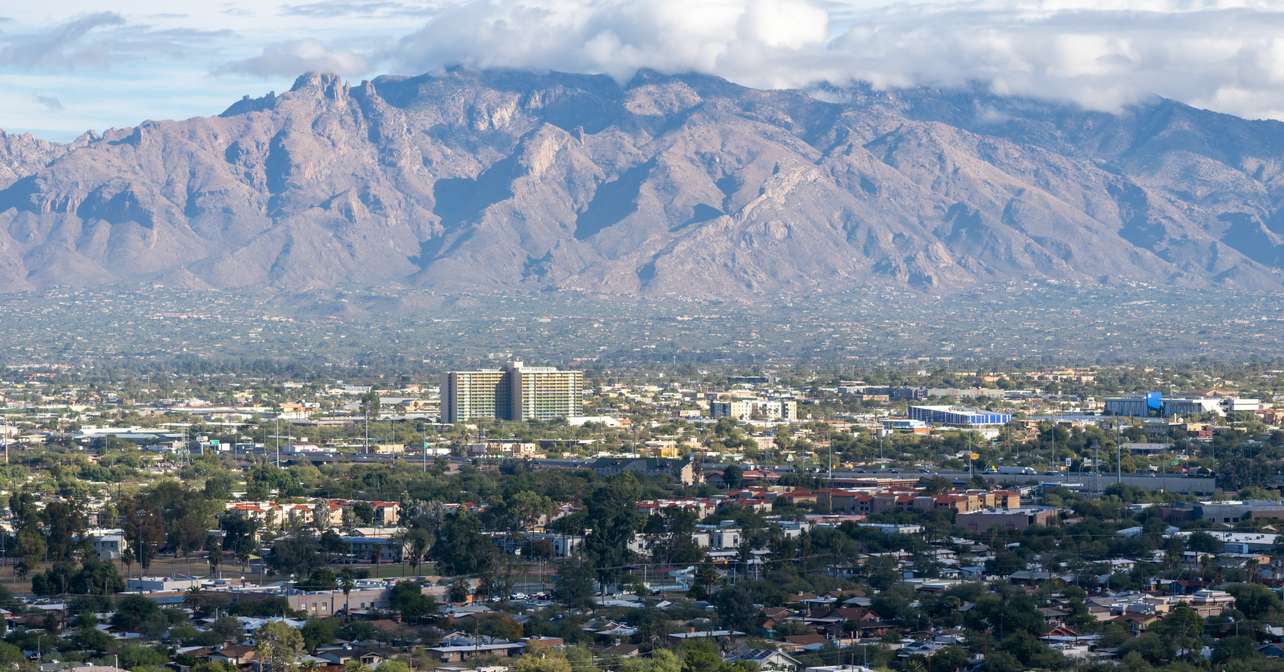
<point x="1119" y="448"/>
<point x="1096" y="463"/>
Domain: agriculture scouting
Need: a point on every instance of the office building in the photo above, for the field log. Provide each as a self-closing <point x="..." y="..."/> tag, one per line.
<point x="516" y="392"/>
<point x="957" y="417"/>
<point x="1154" y="405"/>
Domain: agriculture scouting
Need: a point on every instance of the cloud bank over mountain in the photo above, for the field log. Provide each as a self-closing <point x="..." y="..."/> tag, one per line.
<point x="1102" y="55"/>
<point x="109" y="64"/>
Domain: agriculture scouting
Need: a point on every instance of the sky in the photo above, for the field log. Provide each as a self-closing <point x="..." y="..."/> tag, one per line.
<point x="67" y="66"/>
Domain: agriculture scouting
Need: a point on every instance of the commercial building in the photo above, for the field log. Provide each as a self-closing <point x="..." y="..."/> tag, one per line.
<point x="1154" y="405"/>
<point x="1233" y="510"/>
<point x="686" y="472"/>
<point x="977" y="522"/>
<point x="1242" y="405"/>
<point x="516" y="392"/>
<point x="957" y="417"/>
<point x="755" y="409"/>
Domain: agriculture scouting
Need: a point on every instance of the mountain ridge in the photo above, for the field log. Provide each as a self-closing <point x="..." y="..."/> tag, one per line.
<point x="665" y="185"/>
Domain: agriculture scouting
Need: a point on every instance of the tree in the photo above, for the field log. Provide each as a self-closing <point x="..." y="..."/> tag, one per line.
<point x="320" y="579"/>
<point x="355" y="665"/>
<point x="700" y="656"/>
<point x="144" y="528"/>
<point x="461" y="548"/>
<point x="65" y="526"/>
<point x="948" y="659"/>
<point x="132" y="611"/>
<point x="574" y="585"/>
<point x="214" y="554"/>
<point x="278" y="645"/>
<point x="1203" y="542"/>
<point x="298" y="555"/>
<point x="93" y="577"/>
<point x="318" y="631"/>
<point x="1255" y="601"/>
<point x="227" y="628"/>
<point x="418" y="543"/>
<point x="392" y="666"/>
<point x="31" y="544"/>
<point x="733" y="476"/>
<point x="527" y="507"/>
<point x="370" y="404"/>
<point x="661" y="660"/>
<point x="239" y="534"/>
<point x="408" y="599"/>
<point x="1001" y="661"/>
<point x="545" y="661"/>
<point x="347" y="581"/>
<point x="612" y="519"/>
<point x="136" y="656"/>
<point x="1182" y="629"/>
<point x="364" y="513"/>
<point x="705" y="579"/>
<point x="1238" y="647"/>
<point x="736" y="609"/>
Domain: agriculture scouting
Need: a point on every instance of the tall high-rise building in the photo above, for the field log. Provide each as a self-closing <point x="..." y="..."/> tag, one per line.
<point x="469" y="395"/>
<point x="516" y="392"/>
<point x="544" y="393"/>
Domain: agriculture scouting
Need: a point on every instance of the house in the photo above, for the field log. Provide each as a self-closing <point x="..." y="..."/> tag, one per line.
<point x="108" y="544"/>
<point x="619" y="651"/>
<point x="920" y="648"/>
<point x="1136" y="623"/>
<point x="458" y="647"/>
<point x="367" y="657"/>
<point x="766" y="660"/>
<point x="811" y="642"/>
<point x="706" y="634"/>
<point x="236" y="655"/>
<point x="1067" y="636"/>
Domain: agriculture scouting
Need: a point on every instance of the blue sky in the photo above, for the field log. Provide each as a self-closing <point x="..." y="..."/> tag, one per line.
<point x="67" y="66"/>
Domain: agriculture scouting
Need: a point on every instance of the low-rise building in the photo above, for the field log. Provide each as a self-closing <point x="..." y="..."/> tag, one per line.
<point x="978" y="522"/>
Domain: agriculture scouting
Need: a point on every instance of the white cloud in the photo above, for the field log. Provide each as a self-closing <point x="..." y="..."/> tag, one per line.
<point x="122" y="61"/>
<point x="291" y="58"/>
<point x="741" y="39"/>
<point x="1102" y="54"/>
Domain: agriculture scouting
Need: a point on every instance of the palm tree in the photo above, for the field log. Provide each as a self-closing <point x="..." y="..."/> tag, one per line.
<point x="214" y="555"/>
<point x="420" y="543"/>
<point x="346" y="583"/>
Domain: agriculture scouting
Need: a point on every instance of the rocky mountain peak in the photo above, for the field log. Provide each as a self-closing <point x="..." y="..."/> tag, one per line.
<point x="682" y="185"/>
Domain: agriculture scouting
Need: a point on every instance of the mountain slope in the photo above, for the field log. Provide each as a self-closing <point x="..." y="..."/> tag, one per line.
<point x="668" y="185"/>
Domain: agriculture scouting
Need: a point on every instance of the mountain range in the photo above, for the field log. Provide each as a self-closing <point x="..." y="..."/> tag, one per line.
<point x="662" y="186"/>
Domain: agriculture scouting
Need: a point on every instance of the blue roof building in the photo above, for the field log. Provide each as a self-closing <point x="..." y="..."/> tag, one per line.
<point x="958" y="417"/>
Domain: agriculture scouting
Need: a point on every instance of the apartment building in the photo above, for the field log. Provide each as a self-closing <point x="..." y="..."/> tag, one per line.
<point x="516" y="392"/>
<point x="755" y="409"/>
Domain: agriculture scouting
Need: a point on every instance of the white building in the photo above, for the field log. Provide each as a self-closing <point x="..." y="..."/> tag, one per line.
<point x="770" y="410"/>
